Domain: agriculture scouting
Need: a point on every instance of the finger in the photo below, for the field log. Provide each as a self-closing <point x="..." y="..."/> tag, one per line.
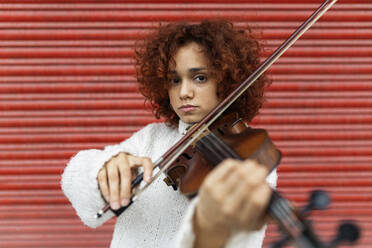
<point x="234" y="202"/>
<point x="254" y="173"/>
<point x="253" y="165"/>
<point x="221" y="183"/>
<point x="223" y="170"/>
<point x="255" y="209"/>
<point x="147" y="169"/>
<point x="125" y="180"/>
<point x="241" y="183"/>
<point x="103" y="185"/>
<point x="113" y="179"/>
<point x="134" y="161"/>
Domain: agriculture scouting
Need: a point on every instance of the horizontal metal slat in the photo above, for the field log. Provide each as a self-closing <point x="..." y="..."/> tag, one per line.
<point x="87" y="113"/>
<point x="139" y="104"/>
<point x="183" y="6"/>
<point x="309" y="129"/>
<point x="63" y="70"/>
<point x="24" y="169"/>
<point x="71" y="96"/>
<point x="309" y="138"/>
<point x="314" y="119"/>
<point x="345" y="61"/>
<point x="170" y="1"/>
<point x="178" y="15"/>
<point x="91" y="143"/>
<point x="69" y="129"/>
<point x="341" y="151"/>
<point x="345" y="86"/>
<point x="44" y="241"/>
<point x="32" y="170"/>
<point x="119" y="44"/>
<point x="66" y="52"/>
<point x="256" y="26"/>
<point x="68" y="79"/>
<point x="91" y="121"/>
<point x="135" y="95"/>
<point x="140" y="121"/>
<point x="332" y="159"/>
<point x="126" y="113"/>
<point x="118" y="52"/>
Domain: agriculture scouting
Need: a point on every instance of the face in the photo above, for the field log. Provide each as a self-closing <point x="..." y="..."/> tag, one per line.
<point x="192" y="90"/>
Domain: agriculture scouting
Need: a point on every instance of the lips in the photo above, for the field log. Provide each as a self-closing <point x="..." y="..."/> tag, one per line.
<point x="187" y="108"/>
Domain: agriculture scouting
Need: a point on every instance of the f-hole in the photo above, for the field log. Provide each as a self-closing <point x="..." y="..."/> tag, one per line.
<point x="220" y="131"/>
<point x="187" y="156"/>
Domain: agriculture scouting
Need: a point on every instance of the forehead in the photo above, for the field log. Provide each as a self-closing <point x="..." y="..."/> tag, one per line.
<point x="189" y="55"/>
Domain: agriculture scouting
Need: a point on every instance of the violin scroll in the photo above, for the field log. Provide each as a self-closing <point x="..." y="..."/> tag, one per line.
<point x="348" y="231"/>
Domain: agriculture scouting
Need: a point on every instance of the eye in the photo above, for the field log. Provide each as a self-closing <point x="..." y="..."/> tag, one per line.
<point x="174" y="80"/>
<point x="200" y="78"/>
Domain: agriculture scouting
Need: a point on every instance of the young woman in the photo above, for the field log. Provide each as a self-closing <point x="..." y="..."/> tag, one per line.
<point x="184" y="71"/>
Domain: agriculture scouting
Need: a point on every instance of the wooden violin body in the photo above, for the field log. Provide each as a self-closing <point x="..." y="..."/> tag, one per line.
<point x="189" y="170"/>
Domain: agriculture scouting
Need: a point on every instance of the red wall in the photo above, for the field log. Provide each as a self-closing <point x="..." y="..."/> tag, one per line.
<point x="67" y="84"/>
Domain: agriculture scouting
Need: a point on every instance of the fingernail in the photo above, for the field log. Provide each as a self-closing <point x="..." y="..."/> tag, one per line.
<point x="125" y="202"/>
<point x="115" y="205"/>
<point x="148" y="179"/>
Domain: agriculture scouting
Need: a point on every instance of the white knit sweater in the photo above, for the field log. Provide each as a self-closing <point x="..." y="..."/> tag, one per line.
<point x="161" y="217"/>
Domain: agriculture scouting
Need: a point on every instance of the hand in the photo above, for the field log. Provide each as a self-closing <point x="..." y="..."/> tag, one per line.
<point x="116" y="176"/>
<point x="233" y="196"/>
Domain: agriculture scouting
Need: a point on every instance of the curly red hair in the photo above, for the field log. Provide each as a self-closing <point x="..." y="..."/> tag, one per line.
<point x="234" y="55"/>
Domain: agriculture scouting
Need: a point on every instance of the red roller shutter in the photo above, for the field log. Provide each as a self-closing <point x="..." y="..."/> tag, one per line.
<point x="67" y="84"/>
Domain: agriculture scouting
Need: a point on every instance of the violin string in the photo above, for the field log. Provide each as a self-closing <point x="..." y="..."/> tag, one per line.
<point x="205" y="147"/>
<point x="216" y="149"/>
<point x="220" y="149"/>
<point x="223" y="147"/>
<point x="276" y="211"/>
<point x="287" y="212"/>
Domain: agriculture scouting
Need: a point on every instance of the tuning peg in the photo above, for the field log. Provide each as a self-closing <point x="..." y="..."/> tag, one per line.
<point x="347" y="231"/>
<point x="318" y="200"/>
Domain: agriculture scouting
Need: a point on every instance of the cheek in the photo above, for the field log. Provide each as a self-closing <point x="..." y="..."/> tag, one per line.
<point x="210" y="99"/>
<point x="215" y="97"/>
<point x="172" y="98"/>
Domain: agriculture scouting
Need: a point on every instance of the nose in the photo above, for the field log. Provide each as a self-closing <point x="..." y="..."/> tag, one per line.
<point x="186" y="90"/>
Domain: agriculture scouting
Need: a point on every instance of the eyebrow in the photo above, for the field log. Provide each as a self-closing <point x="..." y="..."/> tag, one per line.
<point x="197" y="69"/>
<point x="192" y="70"/>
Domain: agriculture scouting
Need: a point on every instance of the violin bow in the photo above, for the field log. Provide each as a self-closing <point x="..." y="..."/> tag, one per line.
<point x="190" y="137"/>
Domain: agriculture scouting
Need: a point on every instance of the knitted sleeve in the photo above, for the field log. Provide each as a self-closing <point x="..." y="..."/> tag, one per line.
<point x="79" y="179"/>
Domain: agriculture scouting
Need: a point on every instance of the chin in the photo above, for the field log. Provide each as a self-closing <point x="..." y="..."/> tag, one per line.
<point x="190" y="120"/>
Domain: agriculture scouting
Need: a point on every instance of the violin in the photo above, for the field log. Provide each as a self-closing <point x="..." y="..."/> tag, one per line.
<point x="232" y="138"/>
<point x="216" y="138"/>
